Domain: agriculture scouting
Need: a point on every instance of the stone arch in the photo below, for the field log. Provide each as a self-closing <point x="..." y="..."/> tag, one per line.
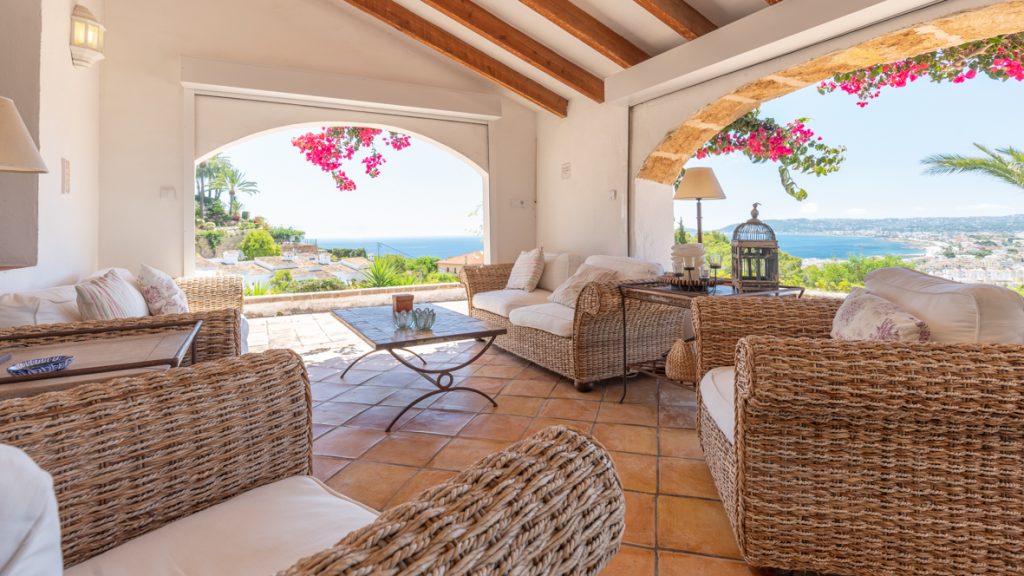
<point x="665" y="162"/>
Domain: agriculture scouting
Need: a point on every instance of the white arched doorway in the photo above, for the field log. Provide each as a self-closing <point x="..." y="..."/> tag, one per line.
<point x="221" y="122"/>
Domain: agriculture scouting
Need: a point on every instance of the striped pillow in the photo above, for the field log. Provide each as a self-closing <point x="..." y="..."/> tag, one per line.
<point x="527" y="270"/>
<point x="109" y="297"/>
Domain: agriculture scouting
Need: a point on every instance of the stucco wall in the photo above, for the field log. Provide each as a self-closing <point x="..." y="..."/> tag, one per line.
<point x="586" y="212"/>
<point x="60" y="104"/>
<point x="145" y="145"/>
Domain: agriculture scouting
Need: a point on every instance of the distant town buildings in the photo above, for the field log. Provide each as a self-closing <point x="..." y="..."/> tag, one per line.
<point x="306" y="265"/>
<point x="455" y="264"/>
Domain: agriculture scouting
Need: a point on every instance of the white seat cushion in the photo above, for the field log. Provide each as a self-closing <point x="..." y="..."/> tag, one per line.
<point x="259" y="532"/>
<point x="244" y="333"/>
<point x="954" y="312"/>
<point x="29" y="524"/>
<point x="718" y="394"/>
<point x="48" y="306"/>
<point x="502" y="302"/>
<point x="551" y="317"/>
<point x="628" y="268"/>
<point x="557" y="269"/>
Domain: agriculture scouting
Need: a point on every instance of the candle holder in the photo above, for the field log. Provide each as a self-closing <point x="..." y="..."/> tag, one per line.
<point x="715" y="263"/>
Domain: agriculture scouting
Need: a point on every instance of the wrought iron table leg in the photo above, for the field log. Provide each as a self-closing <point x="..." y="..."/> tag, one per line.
<point x="444" y="380"/>
<point x="354" y="362"/>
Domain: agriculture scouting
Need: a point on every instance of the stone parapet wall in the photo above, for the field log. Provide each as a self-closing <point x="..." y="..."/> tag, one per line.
<point x="309" y="302"/>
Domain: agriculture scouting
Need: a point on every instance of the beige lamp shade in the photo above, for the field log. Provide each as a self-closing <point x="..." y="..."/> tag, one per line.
<point x="699" y="184"/>
<point x="18" y="153"/>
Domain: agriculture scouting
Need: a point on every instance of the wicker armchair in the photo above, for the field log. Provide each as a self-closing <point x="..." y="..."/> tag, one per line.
<point x="551" y="504"/>
<point x="864" y="457"/>
<point x="216" y="300"/>
<point x="594" y="352"/>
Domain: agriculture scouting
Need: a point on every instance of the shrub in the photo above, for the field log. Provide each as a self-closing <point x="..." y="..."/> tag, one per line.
<point x="318" y="285"/>
<point x="348" y="252"/>
<point x="440" y="278"/>
<point x="284" y="234"/>
<point x="380" y="273"/>
<point x="259" y="243"/>
<point x="213" y="238"/>
<point x="257" y="289"/>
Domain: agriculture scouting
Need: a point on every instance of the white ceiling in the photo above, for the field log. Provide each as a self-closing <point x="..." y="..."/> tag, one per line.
<point x="626" y="17"/>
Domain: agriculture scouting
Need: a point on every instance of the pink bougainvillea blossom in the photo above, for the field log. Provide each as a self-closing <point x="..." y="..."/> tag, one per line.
<point x="332" y="146"/>
<point x="999" y="58"/>
<point x="793" y="146"/>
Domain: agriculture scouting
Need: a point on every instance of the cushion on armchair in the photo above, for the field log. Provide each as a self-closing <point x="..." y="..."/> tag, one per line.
<point x="56" y="305"/>
<point x="261" y="531"/>
<point x="110" y="297"/>
<point x="718" y="394"/>
<point x="29" y="524"/>
<point x="865" y="316"/>
<point x="954" y="312"/>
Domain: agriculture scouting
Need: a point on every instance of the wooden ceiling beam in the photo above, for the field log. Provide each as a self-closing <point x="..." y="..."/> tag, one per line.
<point x="770" y="2"/>
<point x="686" y="20"/>
<point x="501" y="33"/>
<point x="416" y="27"/>
<point x="589" y="30"/>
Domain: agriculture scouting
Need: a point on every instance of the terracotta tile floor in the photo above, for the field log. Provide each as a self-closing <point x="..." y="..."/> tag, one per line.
<point x="675" y="523"/>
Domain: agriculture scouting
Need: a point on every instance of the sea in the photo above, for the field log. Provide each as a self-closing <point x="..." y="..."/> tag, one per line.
<point x="799" y="245"/>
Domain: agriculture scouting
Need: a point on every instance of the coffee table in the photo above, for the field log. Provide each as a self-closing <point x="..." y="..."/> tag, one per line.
<point x="375" y="326"/>
<point x="100" y="354"/>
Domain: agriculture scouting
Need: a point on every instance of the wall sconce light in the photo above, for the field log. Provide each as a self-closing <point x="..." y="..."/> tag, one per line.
<point x="86" y="37"/>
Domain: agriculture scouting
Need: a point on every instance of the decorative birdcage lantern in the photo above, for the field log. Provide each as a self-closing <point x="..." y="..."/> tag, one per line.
<point x="755" y="256"/>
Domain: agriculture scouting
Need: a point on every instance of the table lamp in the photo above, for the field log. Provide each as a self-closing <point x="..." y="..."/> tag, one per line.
<point x="699" y="184"/>
<point x="18" y="153"/>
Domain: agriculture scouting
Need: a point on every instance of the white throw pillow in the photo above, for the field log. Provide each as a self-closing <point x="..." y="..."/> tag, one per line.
<point x="558" y="268"/>
<point x="569" y="292"/>
<point x="626" y="267"/>
<point x="527" y="270"/>
<point x="955" y="313"/>
<point x="47" y="306"/>
<point x="162" y="295"/>
<point x="865" y="316"/>
<point x="109" y="297"/>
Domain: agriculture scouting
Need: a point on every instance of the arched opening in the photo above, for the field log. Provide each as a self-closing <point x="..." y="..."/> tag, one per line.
<point x="734" y="96"/>
<point x="328" y="205"/>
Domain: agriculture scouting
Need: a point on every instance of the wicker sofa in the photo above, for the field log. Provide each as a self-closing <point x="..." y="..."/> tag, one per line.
<point x="860" y="457"/>
<point x="186" y="496"/>
<point x="216" y="300"/>
<point x="591" y="349"/>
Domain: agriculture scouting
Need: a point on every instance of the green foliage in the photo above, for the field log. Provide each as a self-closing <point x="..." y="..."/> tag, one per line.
<point x="213" y="238"/>
<point x="380" y="273"/>
<point x="348" y="252"/>
<point x="257" y="289"/>
<point x="397" y="261"/>
<point x="440" y="278"/>
<point x="1006" y="164"/>
<point x="317" y="285"/>
<point x="280" y="281"/>
<point x="259" y="243"/>
<point x="287" y="234"/>
<point x="1019" y="290"/>
<point x="423" y="265"/>
<point x="793" y="146"/>
<point x="844" y="275"/>
<point x="682" y="236"/>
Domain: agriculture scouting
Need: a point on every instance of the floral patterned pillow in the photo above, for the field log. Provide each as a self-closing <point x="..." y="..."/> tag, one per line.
<point x="162" y="295"/>
<point x="865" y="316"/>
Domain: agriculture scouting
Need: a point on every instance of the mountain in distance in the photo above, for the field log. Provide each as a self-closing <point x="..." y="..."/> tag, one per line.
<point x="883" y="226"/>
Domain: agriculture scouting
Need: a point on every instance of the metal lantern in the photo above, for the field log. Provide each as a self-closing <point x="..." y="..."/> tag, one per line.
<point x="755" y="256"/>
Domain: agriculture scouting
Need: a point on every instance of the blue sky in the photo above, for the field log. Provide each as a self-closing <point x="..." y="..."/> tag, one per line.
<point x="422" y="191"/>
<point x="426" y="191"/>
<point x="882" y="175"/>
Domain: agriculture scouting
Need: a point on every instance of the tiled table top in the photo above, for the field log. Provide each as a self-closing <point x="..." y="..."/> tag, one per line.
<point x="376" y="326"/>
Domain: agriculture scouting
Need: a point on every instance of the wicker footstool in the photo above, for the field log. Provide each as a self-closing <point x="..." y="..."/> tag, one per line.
<point x="681" y="364"/>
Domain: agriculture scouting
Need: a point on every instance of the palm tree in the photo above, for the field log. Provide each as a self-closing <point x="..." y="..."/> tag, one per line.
<point x="207" y="176"/>
<point x="233" y="181"/>
<point x="1006" y="164"/>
